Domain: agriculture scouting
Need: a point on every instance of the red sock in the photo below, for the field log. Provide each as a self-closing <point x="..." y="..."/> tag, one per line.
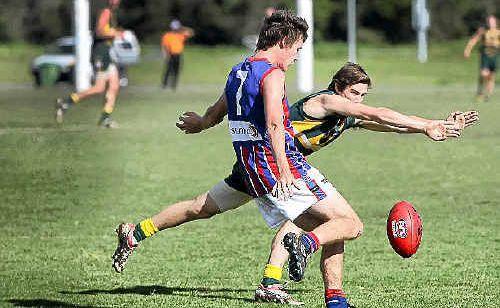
<point x="315" y="245"/>
<point x="329" y="293"/>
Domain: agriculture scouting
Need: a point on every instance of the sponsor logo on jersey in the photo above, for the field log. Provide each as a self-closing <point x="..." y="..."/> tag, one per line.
<point x="243" y="131"/>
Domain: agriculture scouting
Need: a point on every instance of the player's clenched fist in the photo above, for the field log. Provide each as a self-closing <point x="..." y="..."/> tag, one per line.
<point x="190" y="123"/>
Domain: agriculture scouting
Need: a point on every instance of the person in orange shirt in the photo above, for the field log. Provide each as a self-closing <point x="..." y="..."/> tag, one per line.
<point x="172" y="45"/>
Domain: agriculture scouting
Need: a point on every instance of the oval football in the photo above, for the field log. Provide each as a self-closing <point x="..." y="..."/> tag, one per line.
<point x="404" y="229"/>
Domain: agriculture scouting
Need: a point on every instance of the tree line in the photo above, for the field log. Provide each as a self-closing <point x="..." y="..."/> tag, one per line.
<point x="227" y="21"/>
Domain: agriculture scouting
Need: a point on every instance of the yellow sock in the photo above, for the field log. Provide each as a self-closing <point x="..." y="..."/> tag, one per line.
<point x="145" y="229"/>
<point x="74" y="97"/>
<point x="148" y="227"/>
<point x="107" y="109"/>
<point x="272" y="275"/>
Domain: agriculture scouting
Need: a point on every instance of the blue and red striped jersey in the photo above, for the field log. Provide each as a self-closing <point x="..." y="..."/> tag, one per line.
<point x="247" y="126"/>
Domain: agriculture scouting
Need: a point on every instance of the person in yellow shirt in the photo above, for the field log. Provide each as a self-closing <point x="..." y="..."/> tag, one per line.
<point x="107" y="80"/>
<point x="489" y="39"/>
<point x="172" y="45"/>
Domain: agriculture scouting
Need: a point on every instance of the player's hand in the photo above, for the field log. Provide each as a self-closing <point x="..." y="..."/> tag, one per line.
<point x="471" y="117"/>
<point x="466" y="54"/>
<point x="190" y="123"/>
<point x="464" y="119"/>
<point x="283" y="189"/>
<point x="441" y="130"/>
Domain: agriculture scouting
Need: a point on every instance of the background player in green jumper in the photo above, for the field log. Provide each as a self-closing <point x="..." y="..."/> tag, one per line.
<point x="327" y="127"/>
<point x="104" y="67"/>
<point x="489" y="39"/>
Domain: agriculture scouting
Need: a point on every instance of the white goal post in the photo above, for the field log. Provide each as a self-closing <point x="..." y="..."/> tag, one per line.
<point x="83" y="43"/>
<point x="305" y="63"/>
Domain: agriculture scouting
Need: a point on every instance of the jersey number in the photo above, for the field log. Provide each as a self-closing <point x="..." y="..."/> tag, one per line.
<point x="242" y="75"/>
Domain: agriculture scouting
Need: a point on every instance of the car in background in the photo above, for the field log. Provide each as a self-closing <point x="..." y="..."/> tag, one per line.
<point x="60" y="57"/>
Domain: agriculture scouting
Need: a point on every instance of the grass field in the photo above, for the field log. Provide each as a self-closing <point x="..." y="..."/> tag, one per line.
<point x="64" y="189"/>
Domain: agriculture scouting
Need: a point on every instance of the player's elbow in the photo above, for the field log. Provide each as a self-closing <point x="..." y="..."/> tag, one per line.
<point x="273" y="126"/>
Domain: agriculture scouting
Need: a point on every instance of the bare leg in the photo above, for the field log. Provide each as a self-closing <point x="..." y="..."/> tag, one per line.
<point x="332" y="255"/>
<point x="331" y="221"/>
<point x="490" y="85"/>
<point x="279" y="255"/>
<point x="332" y="260"/>
<point x="98" y="88"/>
<point x="483" y="80"/>
<point x="113" y="88"/>
<point x="341" y="222"/>
<point x="203" y="206"/>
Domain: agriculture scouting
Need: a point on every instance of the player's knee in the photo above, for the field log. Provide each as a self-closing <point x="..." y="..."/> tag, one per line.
<point x="200" y="208"/>
<point x="358" y="228"/>
<point x="355" y="230"/>
<point x="110" y="97"/>
<point x="113" y="89"/>
<point x="99" y="89"/>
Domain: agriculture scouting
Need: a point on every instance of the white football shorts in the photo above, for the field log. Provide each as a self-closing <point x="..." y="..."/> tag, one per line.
<point x="312" y="189"/>
<point x="228" y="198"/>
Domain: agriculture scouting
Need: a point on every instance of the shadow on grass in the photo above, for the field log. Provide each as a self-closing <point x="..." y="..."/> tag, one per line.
<point x="40" y="302"/>
<point x="216" y="293"/>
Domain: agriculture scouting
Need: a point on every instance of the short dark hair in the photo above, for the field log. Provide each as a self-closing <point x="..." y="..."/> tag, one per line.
<point x="283" y="28"/>
<point x="350" y="74"/>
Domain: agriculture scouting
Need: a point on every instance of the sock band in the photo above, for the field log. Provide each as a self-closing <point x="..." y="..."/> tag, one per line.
<point x="329" y="293"/>
<point x="107" y="109"/>
<point x="74" y="98"/>
<point x="144" y="229"/>
<point x="148" y="227"/>
<point x="273" y="271"/>
<point x="312" y="241"/>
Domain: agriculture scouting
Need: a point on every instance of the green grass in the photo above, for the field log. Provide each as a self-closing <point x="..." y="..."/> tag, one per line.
<point x="64" y="189"/>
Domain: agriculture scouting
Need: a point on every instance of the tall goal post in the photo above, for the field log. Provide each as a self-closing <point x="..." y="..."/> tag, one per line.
<point x="421" y="22"/>
<point x="83" y="42"/>
<point x="305" y="63"/>
<point x="351" y="30"/>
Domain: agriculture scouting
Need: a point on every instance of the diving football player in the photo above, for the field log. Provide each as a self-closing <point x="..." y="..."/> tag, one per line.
<point x="317" y="124"/>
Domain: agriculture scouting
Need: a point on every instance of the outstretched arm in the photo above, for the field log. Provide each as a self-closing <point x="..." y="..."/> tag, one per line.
<point x="461" y="119"/>
<point x="374" y="126"/>
<point x="192" y="123"/>
<point x="435" y="130"/>
<point x="472" y="42"/>
<point x="388" y="119"/>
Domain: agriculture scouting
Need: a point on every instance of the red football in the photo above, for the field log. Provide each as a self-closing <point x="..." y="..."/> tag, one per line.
<point x="404" y="229"/>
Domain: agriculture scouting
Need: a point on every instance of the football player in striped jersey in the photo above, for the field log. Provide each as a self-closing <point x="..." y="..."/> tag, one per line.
<point x="262" y="134"/>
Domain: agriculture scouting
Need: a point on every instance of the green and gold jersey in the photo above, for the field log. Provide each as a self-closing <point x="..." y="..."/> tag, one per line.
<point x="490" y="42"/>
<point x="312" y="134"/>
<point x="112" y="24"/>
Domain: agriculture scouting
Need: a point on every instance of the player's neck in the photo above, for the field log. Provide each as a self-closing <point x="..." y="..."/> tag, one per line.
<point x="270" y="55"/>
